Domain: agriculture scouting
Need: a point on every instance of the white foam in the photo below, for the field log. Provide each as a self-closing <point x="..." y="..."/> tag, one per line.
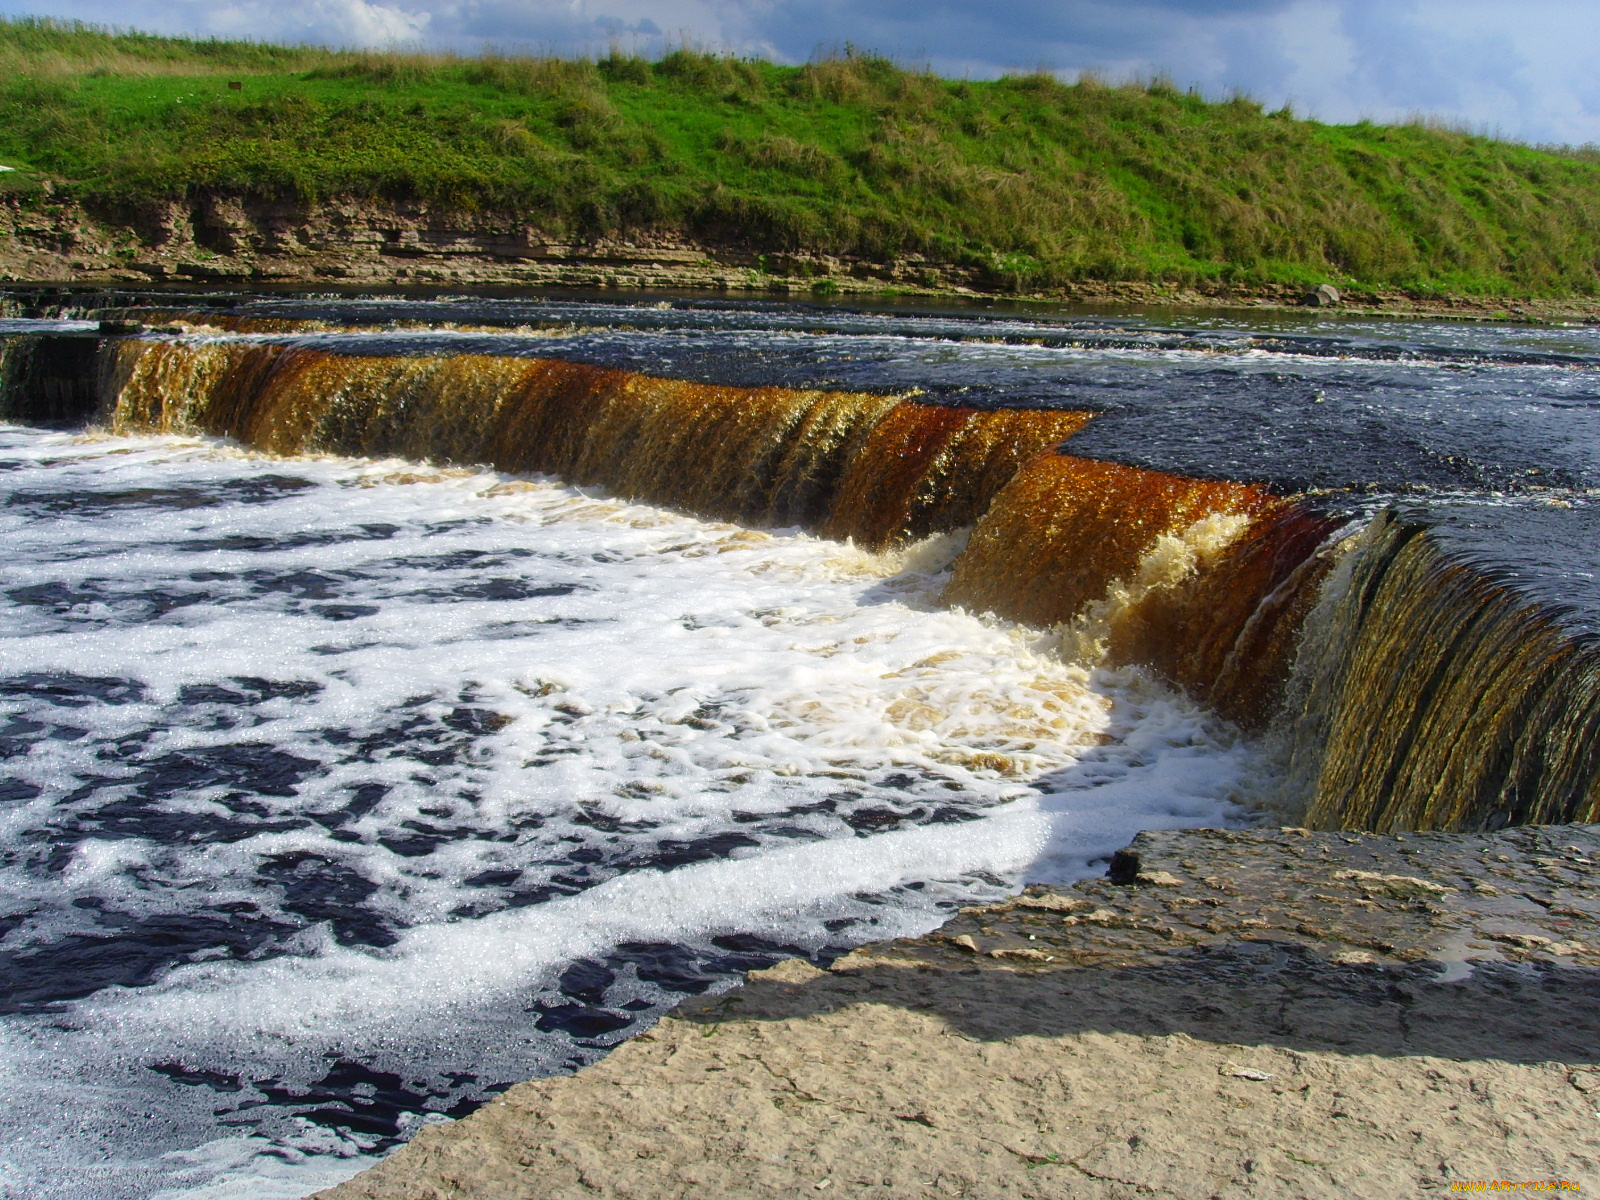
<point x="437" y="968"/>
<point x="253" y="1168"/>
<point x="677" y="682"/>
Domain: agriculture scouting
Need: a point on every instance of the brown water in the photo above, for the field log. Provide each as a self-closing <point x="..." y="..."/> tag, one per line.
<point x="1412" y="686"/>
<point x="342" y="791"/>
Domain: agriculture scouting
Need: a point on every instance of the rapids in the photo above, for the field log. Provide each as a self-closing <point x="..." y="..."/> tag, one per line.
<point x="404" y="697"/>
<point x="341" y="792"/>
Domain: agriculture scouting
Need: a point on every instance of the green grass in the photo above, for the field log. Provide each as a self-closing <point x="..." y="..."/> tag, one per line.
<point x="1039" y="182"/>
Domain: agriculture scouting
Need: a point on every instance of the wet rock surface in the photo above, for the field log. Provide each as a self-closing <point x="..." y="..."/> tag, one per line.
<point x="1528" y="896"/>
<point x="1261" y="1013"/>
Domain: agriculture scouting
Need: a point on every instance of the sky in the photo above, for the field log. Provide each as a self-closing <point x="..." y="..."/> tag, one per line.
<point x="1514" y="68"/>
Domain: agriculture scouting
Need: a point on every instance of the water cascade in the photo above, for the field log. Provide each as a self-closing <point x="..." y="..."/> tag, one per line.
<point x="1202" y="580"/>
<point x="1430" y="696"/>
<point x="50" y="379"/>
<point x="1371" y="656"/>
<point x="540" y="661"/>
<point x="878" y="469"/>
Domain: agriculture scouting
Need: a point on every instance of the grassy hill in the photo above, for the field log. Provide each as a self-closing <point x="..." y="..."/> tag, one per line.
<point x="1040" y="182"/>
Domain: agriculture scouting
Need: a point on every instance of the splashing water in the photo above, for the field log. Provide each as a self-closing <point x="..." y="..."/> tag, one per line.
<point x="343" y="792"/>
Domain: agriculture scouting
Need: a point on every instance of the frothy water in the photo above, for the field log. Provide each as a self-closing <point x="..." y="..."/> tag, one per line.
<point x="342" y="793"/>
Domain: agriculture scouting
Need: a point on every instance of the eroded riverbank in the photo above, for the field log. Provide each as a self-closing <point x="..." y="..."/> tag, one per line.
<point x="394" y="246"/>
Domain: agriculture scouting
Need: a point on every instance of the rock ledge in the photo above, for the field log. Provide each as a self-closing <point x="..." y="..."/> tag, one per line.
<point x="1260" y="1013"/>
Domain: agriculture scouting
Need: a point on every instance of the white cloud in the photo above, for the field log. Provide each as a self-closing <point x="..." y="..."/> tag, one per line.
<point x="328" y="22"/>
<point x="1520" y="73"/>
<point x="335" y="22"/>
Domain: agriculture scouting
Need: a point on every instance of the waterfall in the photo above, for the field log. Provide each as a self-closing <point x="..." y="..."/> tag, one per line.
<point x="1429" y="696"/>
<point x="1409" y="688"/>
<point x="50" y="378"/>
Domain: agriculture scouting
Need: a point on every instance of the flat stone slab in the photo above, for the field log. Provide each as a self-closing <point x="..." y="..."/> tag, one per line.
<point x="1258" y="1013"/>
<point x="1460" y="901"/>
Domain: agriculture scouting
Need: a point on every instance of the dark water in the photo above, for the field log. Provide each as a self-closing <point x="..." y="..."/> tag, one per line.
<point x="1300" y="403"/>
<point x="291" y="747"/>
<point x="339" y="795"/>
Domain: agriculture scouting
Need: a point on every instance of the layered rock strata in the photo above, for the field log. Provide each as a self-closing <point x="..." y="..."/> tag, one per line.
<point x="224" y="240"/>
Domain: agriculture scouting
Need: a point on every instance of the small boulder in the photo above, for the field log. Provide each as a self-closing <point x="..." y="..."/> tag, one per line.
<point x="1124" y="867"/>
<point x="1052" y="902"/>
<point x="1159" y="879"/>
<point x="790" y="970"/>
<point x="1022" y="954"/>
<point x="1325" y="296"/>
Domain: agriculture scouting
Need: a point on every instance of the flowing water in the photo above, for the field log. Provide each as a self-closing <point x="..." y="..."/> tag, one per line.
<point x="402" y="698"/>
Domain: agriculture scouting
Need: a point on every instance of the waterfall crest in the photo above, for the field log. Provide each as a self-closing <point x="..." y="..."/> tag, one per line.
<point x="1410" y="689"/>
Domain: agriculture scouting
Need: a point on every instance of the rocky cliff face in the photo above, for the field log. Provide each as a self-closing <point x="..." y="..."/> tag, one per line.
<point x="232" y="239"/>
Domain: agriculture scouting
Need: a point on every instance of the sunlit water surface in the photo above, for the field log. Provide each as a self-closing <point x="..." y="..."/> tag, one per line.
<point x="340" y="794"/>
